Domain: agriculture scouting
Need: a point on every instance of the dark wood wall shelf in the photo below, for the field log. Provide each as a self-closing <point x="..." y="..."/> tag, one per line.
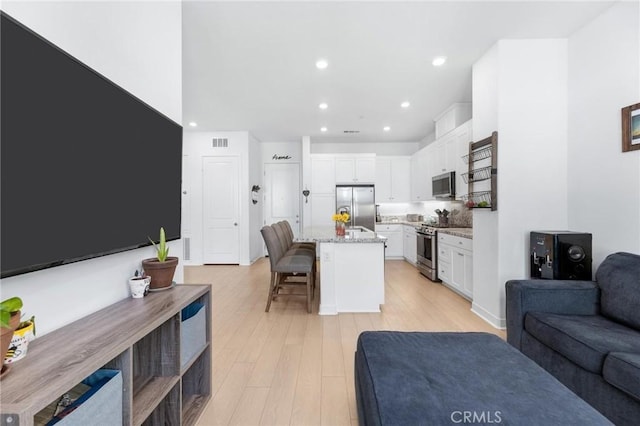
<point x="139" y="337"/>
<point x="483" y="166"/>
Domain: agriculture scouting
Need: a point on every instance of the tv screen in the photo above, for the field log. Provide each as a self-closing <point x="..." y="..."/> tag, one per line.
<point x="87" y="169"/>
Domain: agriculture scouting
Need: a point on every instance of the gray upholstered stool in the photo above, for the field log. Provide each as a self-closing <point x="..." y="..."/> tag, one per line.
<point x="288" y="267"/>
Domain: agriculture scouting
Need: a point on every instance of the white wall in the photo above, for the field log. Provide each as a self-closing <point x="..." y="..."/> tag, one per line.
<point x="378" y="148"/>
<point x="142" y="55"/>
<point x="604" y="182"/>
<point x="274" y="152"/>
<point x="524" y="98"/>
<point x="486" y="294"/>
<point x="256" y="211"/>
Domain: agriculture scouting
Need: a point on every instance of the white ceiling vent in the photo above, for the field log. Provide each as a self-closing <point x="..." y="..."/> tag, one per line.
<point x="220" y="143"/>
<point x="351" y="131"/>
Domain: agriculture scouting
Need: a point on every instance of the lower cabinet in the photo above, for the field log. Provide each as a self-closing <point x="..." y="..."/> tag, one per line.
<point x="395" y="243"/>
<point x="455" y="263"/>
<point x="410" y="245"/>
<point x="156" y="351"/>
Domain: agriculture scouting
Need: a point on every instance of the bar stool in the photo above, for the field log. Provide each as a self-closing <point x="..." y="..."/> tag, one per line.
<point x="291" y="267"/>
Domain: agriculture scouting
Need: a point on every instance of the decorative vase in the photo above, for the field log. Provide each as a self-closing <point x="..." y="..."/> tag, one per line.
<point x="20" y="342"/>
<point x="340" y="229"/>
<point x="161" y="273"/>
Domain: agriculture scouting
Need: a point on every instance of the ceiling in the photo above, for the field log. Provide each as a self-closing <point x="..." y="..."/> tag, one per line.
<point x="251" y="65"/>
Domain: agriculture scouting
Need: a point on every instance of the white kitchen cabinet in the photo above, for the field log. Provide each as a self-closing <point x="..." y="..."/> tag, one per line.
<point x="455" y="263"/>
<point x="323" y="206"/>
<point x="446" y="154"/>
<point x="421" y="173"/>
<point x="462" y="271"/>
<point x="410" y="249"/>
<point x="393" y="179"/>
<point x="323" y="174"/>
<point x="395" y="243"/>
<point x="452" y="117"/>
<point x="463" y="135"/>
<point x="355" y="169"/>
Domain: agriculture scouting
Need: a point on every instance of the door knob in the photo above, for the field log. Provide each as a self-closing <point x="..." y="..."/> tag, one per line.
<point x="235" y="223"/>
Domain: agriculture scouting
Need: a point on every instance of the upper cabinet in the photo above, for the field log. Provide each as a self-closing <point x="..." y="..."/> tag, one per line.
<point x="442" y="155"/>
<point x="462" y="137"/>
<point x="393" y="179"/>
<point x="422" y="168"/>
<point x="452" y="118"/>
<point x="323" y="174"/>
<point x="355" y="169"/>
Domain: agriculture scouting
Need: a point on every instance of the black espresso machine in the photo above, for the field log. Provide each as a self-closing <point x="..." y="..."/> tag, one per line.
<point x="560" y="255"/>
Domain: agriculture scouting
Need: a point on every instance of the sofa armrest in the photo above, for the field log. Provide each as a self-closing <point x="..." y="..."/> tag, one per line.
<point x="568" y="297"/>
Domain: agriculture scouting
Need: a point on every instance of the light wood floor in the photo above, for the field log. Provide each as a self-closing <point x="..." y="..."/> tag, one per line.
<point x="287" y="367"/>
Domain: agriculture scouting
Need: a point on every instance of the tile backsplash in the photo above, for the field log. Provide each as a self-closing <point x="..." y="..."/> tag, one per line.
<point x="460" y="216"/>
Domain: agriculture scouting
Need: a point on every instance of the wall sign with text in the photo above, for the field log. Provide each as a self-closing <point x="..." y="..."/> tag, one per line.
<point x="281" y="157"/>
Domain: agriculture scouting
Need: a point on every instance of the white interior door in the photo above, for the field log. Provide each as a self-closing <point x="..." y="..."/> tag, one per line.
<point x="221" y="208"/>
<point x="282" y="194"/>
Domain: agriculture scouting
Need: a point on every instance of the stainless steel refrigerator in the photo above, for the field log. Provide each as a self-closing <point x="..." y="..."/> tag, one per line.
<point x="359" y="202"/>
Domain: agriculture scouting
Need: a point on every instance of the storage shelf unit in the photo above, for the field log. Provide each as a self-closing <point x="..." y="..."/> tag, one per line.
<point x="483" y="167"/>
<point x="139" y="337"/>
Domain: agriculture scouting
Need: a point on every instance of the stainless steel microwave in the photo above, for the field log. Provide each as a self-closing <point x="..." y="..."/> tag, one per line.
<point x="444" y="185"/>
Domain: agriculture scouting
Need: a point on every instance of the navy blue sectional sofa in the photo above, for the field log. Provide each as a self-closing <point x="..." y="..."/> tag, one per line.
<point x="585" y="333"/>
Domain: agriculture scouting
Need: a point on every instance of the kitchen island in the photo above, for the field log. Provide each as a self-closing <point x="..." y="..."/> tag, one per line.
<point x="351" y="269"/>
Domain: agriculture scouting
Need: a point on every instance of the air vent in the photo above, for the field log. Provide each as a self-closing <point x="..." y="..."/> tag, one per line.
<point x="187" y="248"/>
<point x="351" y="131"/>
<point x="220" y="143"/>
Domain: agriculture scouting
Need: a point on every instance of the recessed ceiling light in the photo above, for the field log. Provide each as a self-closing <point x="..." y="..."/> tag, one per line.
<point x="322" y="64"/>
<point x="193" y="124"/>
<point x="323" y="106"/>
<point x="386" y="128"/>
<point x="323" y="129"/>
<point x="439" y="60"/>
<point x="405" y="104"/>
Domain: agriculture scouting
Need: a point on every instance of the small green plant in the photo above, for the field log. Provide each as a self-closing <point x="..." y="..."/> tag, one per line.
<point x="162" y="249"/>
<point x="27" y="323"/>
<point x="8" y="307"/>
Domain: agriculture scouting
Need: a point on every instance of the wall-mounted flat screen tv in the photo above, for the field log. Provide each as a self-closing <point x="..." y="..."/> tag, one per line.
<point x="87" y="168"/>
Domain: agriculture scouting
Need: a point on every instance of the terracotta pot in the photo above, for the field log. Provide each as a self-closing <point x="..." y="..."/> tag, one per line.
<point x="161" y="273"/>
<point x="7" y="334"/>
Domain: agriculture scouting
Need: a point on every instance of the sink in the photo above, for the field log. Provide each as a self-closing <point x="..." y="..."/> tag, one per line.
<point x="355" y="229"/>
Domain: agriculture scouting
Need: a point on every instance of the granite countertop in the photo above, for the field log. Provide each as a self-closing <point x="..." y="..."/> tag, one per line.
<point x="328" y="235"/>
<point x="458" y="232"/>
<point x="400" y="222"/>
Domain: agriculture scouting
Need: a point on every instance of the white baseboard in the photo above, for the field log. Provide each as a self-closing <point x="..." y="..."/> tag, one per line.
<point x="500" y="323"/>
<point x="327" y="310"/>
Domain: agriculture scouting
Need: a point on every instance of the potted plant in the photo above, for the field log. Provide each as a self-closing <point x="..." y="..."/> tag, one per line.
<point x="340" y="219"/>
<point x="162" y="267"/>
<point x="9" y="321"/>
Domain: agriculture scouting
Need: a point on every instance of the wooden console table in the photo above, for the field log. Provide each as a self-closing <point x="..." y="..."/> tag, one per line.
<point x="139" y="337"/>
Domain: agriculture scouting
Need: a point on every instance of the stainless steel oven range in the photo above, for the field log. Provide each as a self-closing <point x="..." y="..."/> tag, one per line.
<point x="428" y="252"/>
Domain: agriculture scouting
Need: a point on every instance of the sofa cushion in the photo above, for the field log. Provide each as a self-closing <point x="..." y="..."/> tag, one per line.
<point x="619" y="281"/>
<point x="622" y="370"/>
<point x="584" y="339"/>
<point x="418" y="378"/>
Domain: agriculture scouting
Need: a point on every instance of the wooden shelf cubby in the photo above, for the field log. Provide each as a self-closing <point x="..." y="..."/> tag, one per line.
<point x="139" y="337"/>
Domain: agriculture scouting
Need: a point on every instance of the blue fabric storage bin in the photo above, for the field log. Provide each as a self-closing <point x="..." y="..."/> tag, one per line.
<point x="102" y="404"/>
<point x="193" y="332"/>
